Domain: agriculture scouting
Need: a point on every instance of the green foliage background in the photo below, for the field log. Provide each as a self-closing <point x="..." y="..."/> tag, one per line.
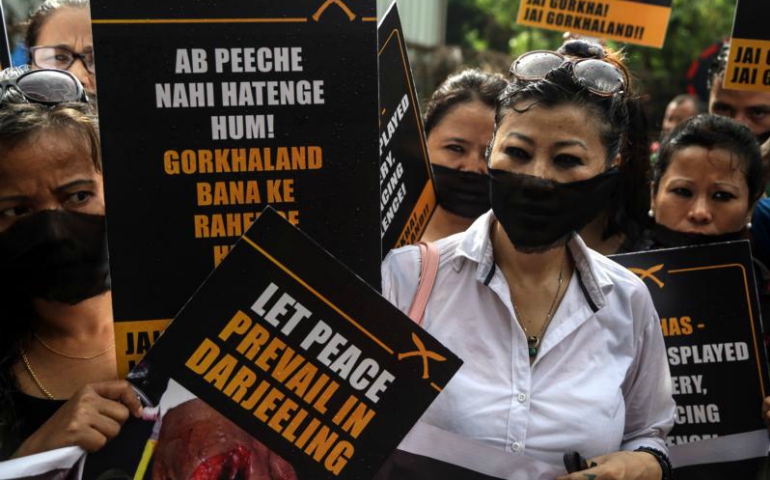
<point x="659" y="74"/>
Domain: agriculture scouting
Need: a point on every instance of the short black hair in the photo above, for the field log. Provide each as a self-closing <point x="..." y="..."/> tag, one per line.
<point x="714" y="132"/>
<point x="718" y="65"/>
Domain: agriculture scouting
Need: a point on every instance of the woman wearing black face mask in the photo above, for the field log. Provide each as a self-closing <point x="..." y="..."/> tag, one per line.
<point x="459" y="121"/>
<point x="562" y="347"/>
<point x="57" y="359"/>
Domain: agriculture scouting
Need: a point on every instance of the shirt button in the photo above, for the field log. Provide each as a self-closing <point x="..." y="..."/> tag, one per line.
<point x="517" y="446"/>
<point x="522" y="397"/>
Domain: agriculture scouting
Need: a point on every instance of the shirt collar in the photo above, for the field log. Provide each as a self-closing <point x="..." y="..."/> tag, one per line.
<point x="476" y="246"/>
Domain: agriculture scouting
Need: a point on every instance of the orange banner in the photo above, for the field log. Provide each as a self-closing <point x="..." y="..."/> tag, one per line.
<point x="748" y="66"/>
<point x="419" y="217"/>
<point x="133" y="339"/>
<point x="622" y="20"/>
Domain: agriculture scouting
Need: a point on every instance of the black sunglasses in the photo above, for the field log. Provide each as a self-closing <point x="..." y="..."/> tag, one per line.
<point x="600" y="77"/>
<point x="48" y="87"/>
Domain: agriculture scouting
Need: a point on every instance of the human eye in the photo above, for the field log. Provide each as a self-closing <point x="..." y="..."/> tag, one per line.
<point x="454" y="147"/>
<point x="722" y="109"/>
<point x="723" y="196"/>
<point x="567" y="161"/>
<point x="517" y="153"/>
<point x="759" y="113"/>
<point x="682" y="192"/>
<point x="15" y="211"/>
<point x="78" y="198"/>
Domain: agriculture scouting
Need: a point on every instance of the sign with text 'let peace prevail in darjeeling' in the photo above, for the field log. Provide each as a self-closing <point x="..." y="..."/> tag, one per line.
<point x="211" y="110"/>
<point x="643" y="22"/>
<point x="297" y="351"/>
<point x="707" y="301"/>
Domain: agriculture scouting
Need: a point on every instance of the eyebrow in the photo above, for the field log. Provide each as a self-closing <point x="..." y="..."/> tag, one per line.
<point x="571" y="143"/>
<point x="75" y="183"/>
<point x="559" y="144"/>
<point x="68" y="48"/>
<point x="59" y="190"/>
<point x="13" y="198"/>
<point x="521" y="137"/>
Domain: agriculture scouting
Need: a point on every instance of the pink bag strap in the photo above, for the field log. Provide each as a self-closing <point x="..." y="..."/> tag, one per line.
<point x="429" y="256"/>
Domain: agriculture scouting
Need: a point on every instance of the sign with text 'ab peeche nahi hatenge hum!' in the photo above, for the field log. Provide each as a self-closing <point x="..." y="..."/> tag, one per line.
<point x="407" y="194"/>
<point x="300" y="353"/>
<point x="211" y="110"/>
<point x="748" y="66"/>
<point x="643" y="22"/>
<point x="707" y="301"/>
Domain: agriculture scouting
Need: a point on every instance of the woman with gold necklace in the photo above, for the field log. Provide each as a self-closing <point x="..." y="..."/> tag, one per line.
<point x="58" y="375"/>
<point x="562" y="347"/>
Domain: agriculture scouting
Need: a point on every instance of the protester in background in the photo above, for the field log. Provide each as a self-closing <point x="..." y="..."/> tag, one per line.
<point x="679" y="109"/>
<point x="59" y="37"/>
<point x="751" y="108"/>
<point x="563" y="349"/>
<point x="459" y="121"/>
<point x="57" y="346"/>
<point x="707" y="180"/>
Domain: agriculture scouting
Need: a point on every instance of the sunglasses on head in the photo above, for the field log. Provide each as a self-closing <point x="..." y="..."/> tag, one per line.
<point x="48" y="87"/>
<point x="597" y="76"/>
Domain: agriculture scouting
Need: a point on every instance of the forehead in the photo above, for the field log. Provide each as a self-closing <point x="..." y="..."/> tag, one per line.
<point x="44" y="153"/>
<point x="556" y="123"/>
<point x="716" y="164"/>
<point x="746" y="98"/>
<point x="465" y="116"/>
<point x="67" y="26"/>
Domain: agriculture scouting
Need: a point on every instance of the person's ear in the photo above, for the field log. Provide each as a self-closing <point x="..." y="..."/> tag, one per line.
<point x="617" y="160"/>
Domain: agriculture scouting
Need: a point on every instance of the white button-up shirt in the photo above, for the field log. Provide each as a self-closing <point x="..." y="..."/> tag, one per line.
<point x="600" y="382"/>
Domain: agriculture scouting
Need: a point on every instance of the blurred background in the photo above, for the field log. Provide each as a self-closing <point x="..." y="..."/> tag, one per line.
<point x="444" y="36"/>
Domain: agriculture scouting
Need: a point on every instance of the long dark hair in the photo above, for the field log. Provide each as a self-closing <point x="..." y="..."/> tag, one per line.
<point x="623" y="128"/>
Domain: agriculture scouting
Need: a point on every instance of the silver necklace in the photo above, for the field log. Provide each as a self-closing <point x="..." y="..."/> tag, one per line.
<point x="533" y="341"/>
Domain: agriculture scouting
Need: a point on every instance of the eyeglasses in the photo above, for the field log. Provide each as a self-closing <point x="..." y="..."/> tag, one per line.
<point x="60" y="58"/>
<point x="597" y="76"/>
<point x="48" y="87"/>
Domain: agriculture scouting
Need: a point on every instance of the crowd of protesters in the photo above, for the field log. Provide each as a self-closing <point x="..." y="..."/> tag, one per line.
<point x="539" y="173"/>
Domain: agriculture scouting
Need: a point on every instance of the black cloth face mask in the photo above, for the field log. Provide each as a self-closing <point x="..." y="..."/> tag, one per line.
<point x="55" y="255"/>
<point x="463" y="193"/>
<point x="663" y="237"/>
<point x="539" y="214"/>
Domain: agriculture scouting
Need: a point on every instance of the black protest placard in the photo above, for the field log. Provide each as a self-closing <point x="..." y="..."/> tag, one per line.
<point x="707" y="302"/>
<point x="297" y="351"/>
<point x="643" y="22"/>
<point x="5" y="46"/>
<point x="209" y="111"/>
<point x="407" y="194"/>
<point x="748" y="66"/>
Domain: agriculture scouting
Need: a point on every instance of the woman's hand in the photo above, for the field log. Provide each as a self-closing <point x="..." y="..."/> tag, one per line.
<point x="89" y="419"/>
<point x="619" y="466"/>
